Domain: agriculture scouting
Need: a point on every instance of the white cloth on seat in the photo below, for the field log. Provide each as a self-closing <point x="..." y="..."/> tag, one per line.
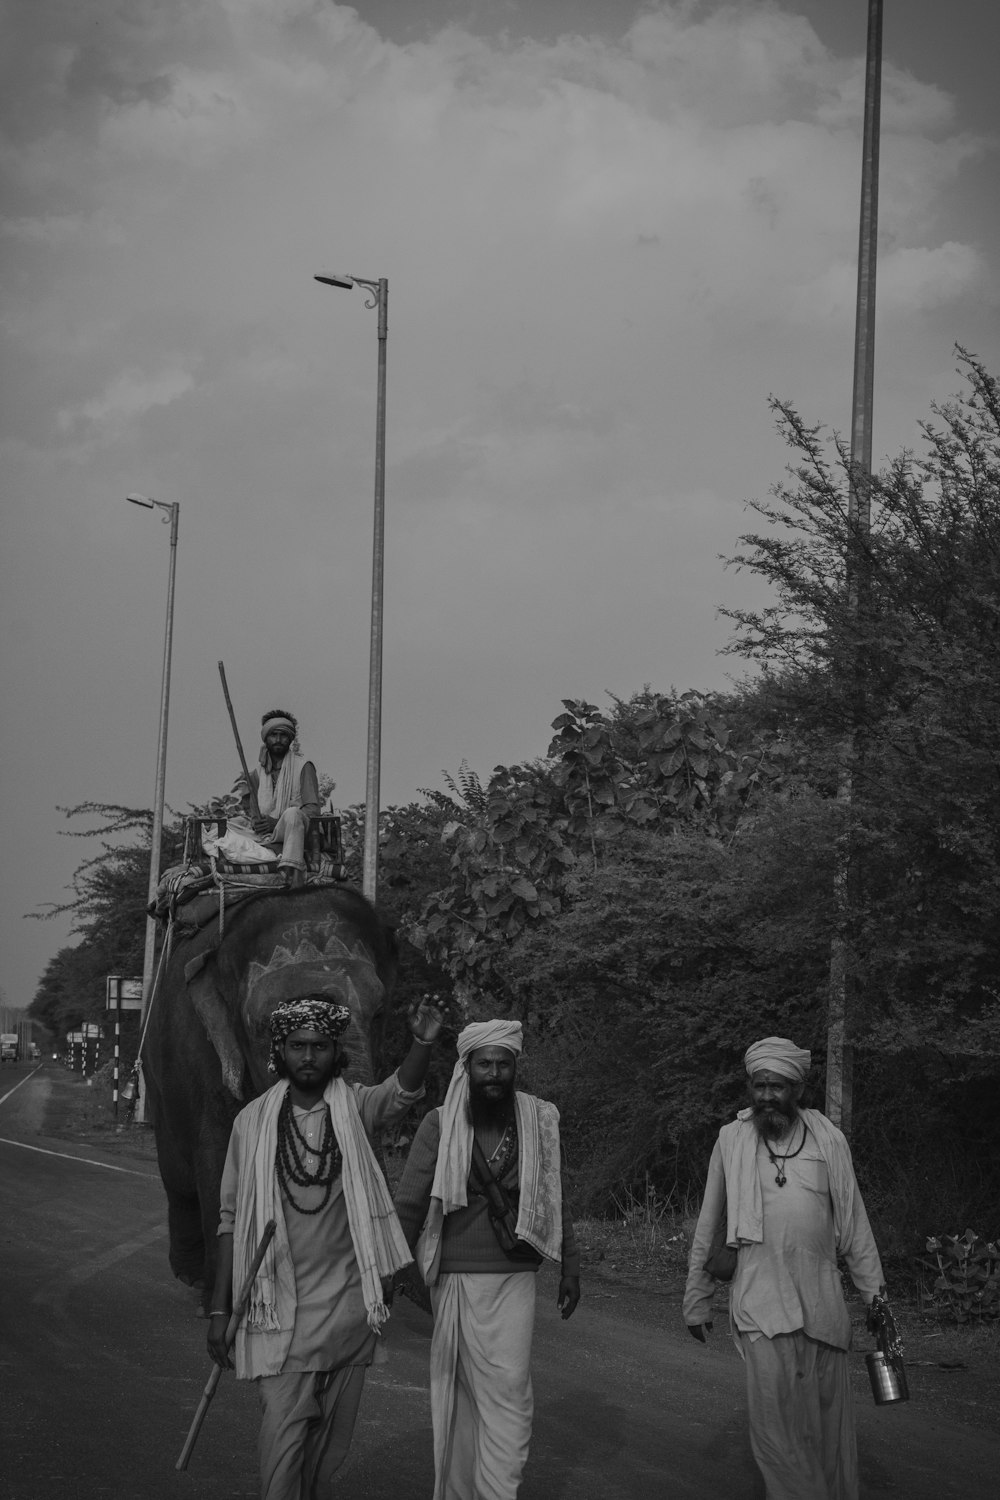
<point x="238" y="848"/>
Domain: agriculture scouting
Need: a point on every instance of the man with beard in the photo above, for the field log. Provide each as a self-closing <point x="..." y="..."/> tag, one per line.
<point x="301" y="1154"/>
<point x="287" y="794"/>
<point x="486" y="1134"/>
<point x="782" y="1195"/>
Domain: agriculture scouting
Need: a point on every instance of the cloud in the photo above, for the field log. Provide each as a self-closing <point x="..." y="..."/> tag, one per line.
<point x="130" y="395"/>
<point x="603" y="254"/>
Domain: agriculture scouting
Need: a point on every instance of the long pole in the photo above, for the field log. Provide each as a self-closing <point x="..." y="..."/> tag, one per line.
<point x="231" y="1327"/>
<point x="839" y="1053"/>
<point x="369" y="883"/>
<point x="254" y="805"/>
<point x="161" y="775"/>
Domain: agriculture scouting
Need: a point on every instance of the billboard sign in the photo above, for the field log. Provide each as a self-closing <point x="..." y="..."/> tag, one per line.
<point x="124" y="992"/>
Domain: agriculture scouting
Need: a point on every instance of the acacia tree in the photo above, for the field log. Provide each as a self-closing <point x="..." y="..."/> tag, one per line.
<point x="108" y="911"/>
<point x="913" y="671"/>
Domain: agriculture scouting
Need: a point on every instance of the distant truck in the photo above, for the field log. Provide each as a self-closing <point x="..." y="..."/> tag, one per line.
<point x="8" y="1046"/>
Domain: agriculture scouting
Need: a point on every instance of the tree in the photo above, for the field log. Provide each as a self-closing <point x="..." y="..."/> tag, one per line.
<point x="912" y="672"/>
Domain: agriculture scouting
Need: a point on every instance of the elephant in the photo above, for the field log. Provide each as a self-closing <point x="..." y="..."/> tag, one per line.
<point x="207" y="1040"/>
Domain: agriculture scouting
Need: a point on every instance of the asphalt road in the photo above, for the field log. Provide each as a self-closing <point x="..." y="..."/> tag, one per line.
<point x="102" y="1364"/>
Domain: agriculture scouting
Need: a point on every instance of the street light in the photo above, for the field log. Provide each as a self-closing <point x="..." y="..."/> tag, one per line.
<point x="173" y="511"/>
<point x="377" y="295"/>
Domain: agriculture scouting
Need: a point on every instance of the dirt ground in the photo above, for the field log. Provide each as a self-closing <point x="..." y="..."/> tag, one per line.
<point x="637" y="1267"/>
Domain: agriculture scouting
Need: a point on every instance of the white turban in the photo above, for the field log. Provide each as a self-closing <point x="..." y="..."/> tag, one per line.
<point x="455" y="1149"/>
<point x="776" y="1054"/>
<point x="507" y="1034"/>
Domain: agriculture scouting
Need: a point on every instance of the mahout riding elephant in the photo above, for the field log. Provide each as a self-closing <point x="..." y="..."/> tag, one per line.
<point x="206" y="1048"/>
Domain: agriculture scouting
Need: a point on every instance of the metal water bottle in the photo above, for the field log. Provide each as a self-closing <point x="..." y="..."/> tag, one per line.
<point x="885" y="1365"/>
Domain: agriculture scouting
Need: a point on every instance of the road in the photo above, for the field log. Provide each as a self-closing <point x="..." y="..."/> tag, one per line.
<point x="102" y="1364"/>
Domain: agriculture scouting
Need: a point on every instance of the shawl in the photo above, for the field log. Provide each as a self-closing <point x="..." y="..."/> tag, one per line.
<point x="375" y="1231"/>
<point x="273" y="801"/>
<point x="539" y="1214"/>
<point x="744" y="1203"/>
<point x="451" y="1175"/>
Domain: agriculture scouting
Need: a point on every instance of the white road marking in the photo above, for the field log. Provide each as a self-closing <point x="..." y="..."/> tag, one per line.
<point x="131" y="1247"/>
<point x="18" y="1085"/>
<point x="68" y="1156"/>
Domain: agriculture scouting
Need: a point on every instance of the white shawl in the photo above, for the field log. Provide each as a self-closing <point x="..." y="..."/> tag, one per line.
<point x="539" y="1214"/>
<point x="378" y="1240"/>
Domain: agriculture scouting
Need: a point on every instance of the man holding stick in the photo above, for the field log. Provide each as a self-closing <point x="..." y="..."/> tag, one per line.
<point x="301" y="1155"/>
<point x="279" y="799"/>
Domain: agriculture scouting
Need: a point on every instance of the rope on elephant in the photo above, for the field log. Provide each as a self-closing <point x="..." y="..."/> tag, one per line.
<point x="164" y="957"/>
<point x="232" y="884"/>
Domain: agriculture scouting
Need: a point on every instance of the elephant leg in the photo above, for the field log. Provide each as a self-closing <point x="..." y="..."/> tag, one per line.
<point x="187" y="1239"/>
<point x="187" y="1250"/>
<point x="213" y="1143"/>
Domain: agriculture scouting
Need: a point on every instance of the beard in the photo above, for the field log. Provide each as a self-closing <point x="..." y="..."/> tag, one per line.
<point x="490" y="1108"/>
<point x="773" y="1120"/>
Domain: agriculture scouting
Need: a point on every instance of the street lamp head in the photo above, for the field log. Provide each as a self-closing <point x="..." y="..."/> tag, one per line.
<point x="334" y="280"/>
<point x="143" y="500"/>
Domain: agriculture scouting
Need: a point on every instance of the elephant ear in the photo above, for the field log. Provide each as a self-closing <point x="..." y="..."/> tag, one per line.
<point x="214" y="1016"/>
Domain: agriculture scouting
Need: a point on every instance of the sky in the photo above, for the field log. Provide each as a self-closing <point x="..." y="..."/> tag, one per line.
<point x="611" y="230"/>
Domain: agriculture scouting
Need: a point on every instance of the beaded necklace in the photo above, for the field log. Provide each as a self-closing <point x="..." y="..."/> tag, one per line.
<point x="293" y="1152"/>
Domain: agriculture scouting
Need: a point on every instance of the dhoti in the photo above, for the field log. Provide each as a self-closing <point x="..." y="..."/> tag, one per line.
<point x="481" y="1397"/>
<point x="801" y="1417"/>
<point x="307" y="1421"/>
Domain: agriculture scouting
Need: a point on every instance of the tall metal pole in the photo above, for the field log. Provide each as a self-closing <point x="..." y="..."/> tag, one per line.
<point x="839" y="1054"/>
<point x="377" y="296"/>
<point x="369" y="883"/>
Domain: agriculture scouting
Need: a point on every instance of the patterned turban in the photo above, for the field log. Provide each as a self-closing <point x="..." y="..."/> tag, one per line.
<point x="776" y="1054"/>
<point x="507" y="1034"/>
<point x="309" y="1012"/>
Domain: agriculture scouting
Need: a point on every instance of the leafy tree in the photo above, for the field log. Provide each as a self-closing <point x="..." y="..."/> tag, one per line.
<point x="912" y="673"/>
<point x="108" y="910"/>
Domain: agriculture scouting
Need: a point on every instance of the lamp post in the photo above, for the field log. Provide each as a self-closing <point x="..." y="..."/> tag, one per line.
<point x="173" y="511"/>
<point x="377" y="295"/>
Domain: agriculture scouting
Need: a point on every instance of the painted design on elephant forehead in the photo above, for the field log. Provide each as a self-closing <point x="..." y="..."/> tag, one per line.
<point x="298" y="945"/>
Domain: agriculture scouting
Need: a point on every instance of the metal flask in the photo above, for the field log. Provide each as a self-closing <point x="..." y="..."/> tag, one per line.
<point x="888" y="1378"/>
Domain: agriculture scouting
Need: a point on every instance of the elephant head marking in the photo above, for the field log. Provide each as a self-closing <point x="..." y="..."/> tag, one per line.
<point x="317" y="957"/>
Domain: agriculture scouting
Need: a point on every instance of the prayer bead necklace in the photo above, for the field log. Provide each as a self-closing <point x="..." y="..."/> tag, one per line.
<point x="291" y="1162"/>
<point x="779" y="1162"/>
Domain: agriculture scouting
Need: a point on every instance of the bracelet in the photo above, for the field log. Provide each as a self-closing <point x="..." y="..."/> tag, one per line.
<point x="419" y="1041"/>
<point x="219" y="1312"/>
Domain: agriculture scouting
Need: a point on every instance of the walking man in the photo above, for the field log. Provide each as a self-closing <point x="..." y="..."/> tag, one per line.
<point x="484" y="1173"/>
<point x="781" y="1194"/>
<point x="301" y="1154"/>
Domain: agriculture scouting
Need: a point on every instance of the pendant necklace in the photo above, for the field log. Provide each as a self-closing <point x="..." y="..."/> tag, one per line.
<point x="779" y="1162"/>
<point x="500" y="1145"/>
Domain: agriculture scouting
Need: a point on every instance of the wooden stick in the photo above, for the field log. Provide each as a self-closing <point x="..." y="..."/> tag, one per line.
<point x="231" y="1327"/>
<point x="254" y="805"/>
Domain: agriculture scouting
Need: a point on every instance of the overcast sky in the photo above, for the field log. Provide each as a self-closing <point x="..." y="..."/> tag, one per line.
<point x="611" y="230"/>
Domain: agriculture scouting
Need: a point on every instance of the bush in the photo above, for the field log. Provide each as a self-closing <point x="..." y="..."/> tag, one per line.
<point x="966" y="1277"/>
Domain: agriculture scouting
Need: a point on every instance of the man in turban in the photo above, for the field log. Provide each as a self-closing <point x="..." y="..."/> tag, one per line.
<point x="287" y="794"/>
<point x="782" y="1199"/>
<point x="484" y="1178"/>
<point x="301" y="1154"/>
